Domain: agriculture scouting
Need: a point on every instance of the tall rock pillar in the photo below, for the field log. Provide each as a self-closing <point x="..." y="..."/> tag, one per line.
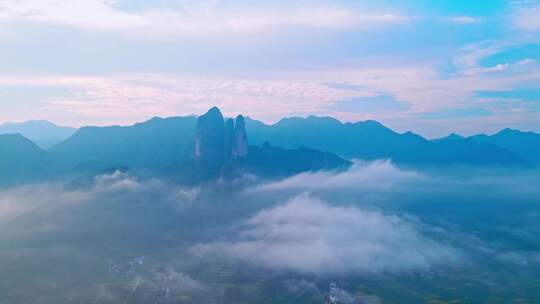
<point x="240" y="140"/>
<point x="210" y="142"/>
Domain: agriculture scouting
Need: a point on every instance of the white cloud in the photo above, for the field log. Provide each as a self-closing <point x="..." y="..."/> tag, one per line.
<point x="19" y="201"/>
<point x="331" y="223"/>
<point x="128" y="98"/>
<point x="209" y="19"/>
<point x="526" y="61"/>
<point x="527" y="18"/>
<point x="307" y="235"/>
<point x="372" y="176"/>
<point x="467" y="58"/>
<point x="465" y="20"/>
<point x="114" y="99"/>
<point x="94" y="14"/>
<point x="323" y="18"/>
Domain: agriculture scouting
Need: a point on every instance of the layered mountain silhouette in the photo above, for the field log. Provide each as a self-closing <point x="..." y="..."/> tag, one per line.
<point x="451" y="136"/>
<point x="524" y="144"/>
<point x="43" y="133"/>
<point x="211" y="146"/>
<point x="371" y="140"/>
<point x="150" y="145"/>
<point x="21" y="160"/>
<point x="222" y="149"/>
<point x="190" y="149"/>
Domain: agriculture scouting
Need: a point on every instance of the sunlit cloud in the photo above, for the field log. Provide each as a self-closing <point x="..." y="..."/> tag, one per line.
<point x="323" y="18"/>
<point x="465" y="20"/>
<point x="266" y="61"/>
<point x="92" y="14"/>
<point x="213" y="19"/>
<point x="116" y="234"/>
<point x="128" y="98"/>
<point x="528" y="17"/>
<point x="328" y="240"/>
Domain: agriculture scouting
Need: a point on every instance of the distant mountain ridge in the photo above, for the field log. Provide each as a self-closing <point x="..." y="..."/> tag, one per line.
<point x="43" y="133"/>
<point x="147" y="145"/>
<point x="21" y="160"/>
<point x="209" y="146"/>
<point x="523" y="144"/>
<point x="451" y="136"/>
<point x="370" y="140"/>
<point x="188" y="149"/>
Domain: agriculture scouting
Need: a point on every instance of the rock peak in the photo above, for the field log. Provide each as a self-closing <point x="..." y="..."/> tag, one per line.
<point x="213" y="113"/>
<point x="229" y="138"/>
<point x="218" y="142"/>
<point x="210" y="142"/>
<point x="240" y="140"/>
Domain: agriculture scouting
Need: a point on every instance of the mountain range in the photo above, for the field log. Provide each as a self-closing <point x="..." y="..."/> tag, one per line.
<point x="370" y="140"/>
<point x="43" y="133"/>
<point x="210" y="146"/>
<point x="188" y="149"/>
<point x="523" y="144"/>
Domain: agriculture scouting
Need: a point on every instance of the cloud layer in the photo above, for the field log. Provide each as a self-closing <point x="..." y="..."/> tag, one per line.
<point x="191" y="18"/>
<point x="97" y="60"/>
<point x="115" y="237"/>
<point x="308" y="236"/>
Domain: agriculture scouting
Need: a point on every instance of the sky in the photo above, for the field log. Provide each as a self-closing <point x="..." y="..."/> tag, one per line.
<point x="432" y="67"/>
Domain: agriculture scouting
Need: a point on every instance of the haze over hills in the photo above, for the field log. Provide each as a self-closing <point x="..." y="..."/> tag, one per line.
<point x="210" y="145"/>
<point x="203" y="145"/>
<point x="43" y="133"/>
<point x="221" y="202"/>
<point x="188" y="149"/>
<point x="523" y="144"/>
<point x="221" y="148"/>
<point x="371" y="140"/>
<point x="151" y="144"/>
<point x="451" y="136"/>
<point x="21" y="159"/>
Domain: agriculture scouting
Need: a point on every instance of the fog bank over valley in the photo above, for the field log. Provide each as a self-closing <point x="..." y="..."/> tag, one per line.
<point x="116" y="237"/>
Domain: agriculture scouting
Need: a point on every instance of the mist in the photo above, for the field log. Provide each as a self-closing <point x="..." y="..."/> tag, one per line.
<point x="120" y="238"/>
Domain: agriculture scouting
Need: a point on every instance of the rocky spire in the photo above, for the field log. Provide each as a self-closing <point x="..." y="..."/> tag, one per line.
<point x="229" y="137"/>
<point x="240" y="140"/>
<point x="218" y="143"/>
<point x="210" y="142"/>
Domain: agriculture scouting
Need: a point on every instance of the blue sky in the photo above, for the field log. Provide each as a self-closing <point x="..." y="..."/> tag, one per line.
<point x="433" y="67"/>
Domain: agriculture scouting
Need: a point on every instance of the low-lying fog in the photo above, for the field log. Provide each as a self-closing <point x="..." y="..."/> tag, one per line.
<point x="402" y="236"/>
